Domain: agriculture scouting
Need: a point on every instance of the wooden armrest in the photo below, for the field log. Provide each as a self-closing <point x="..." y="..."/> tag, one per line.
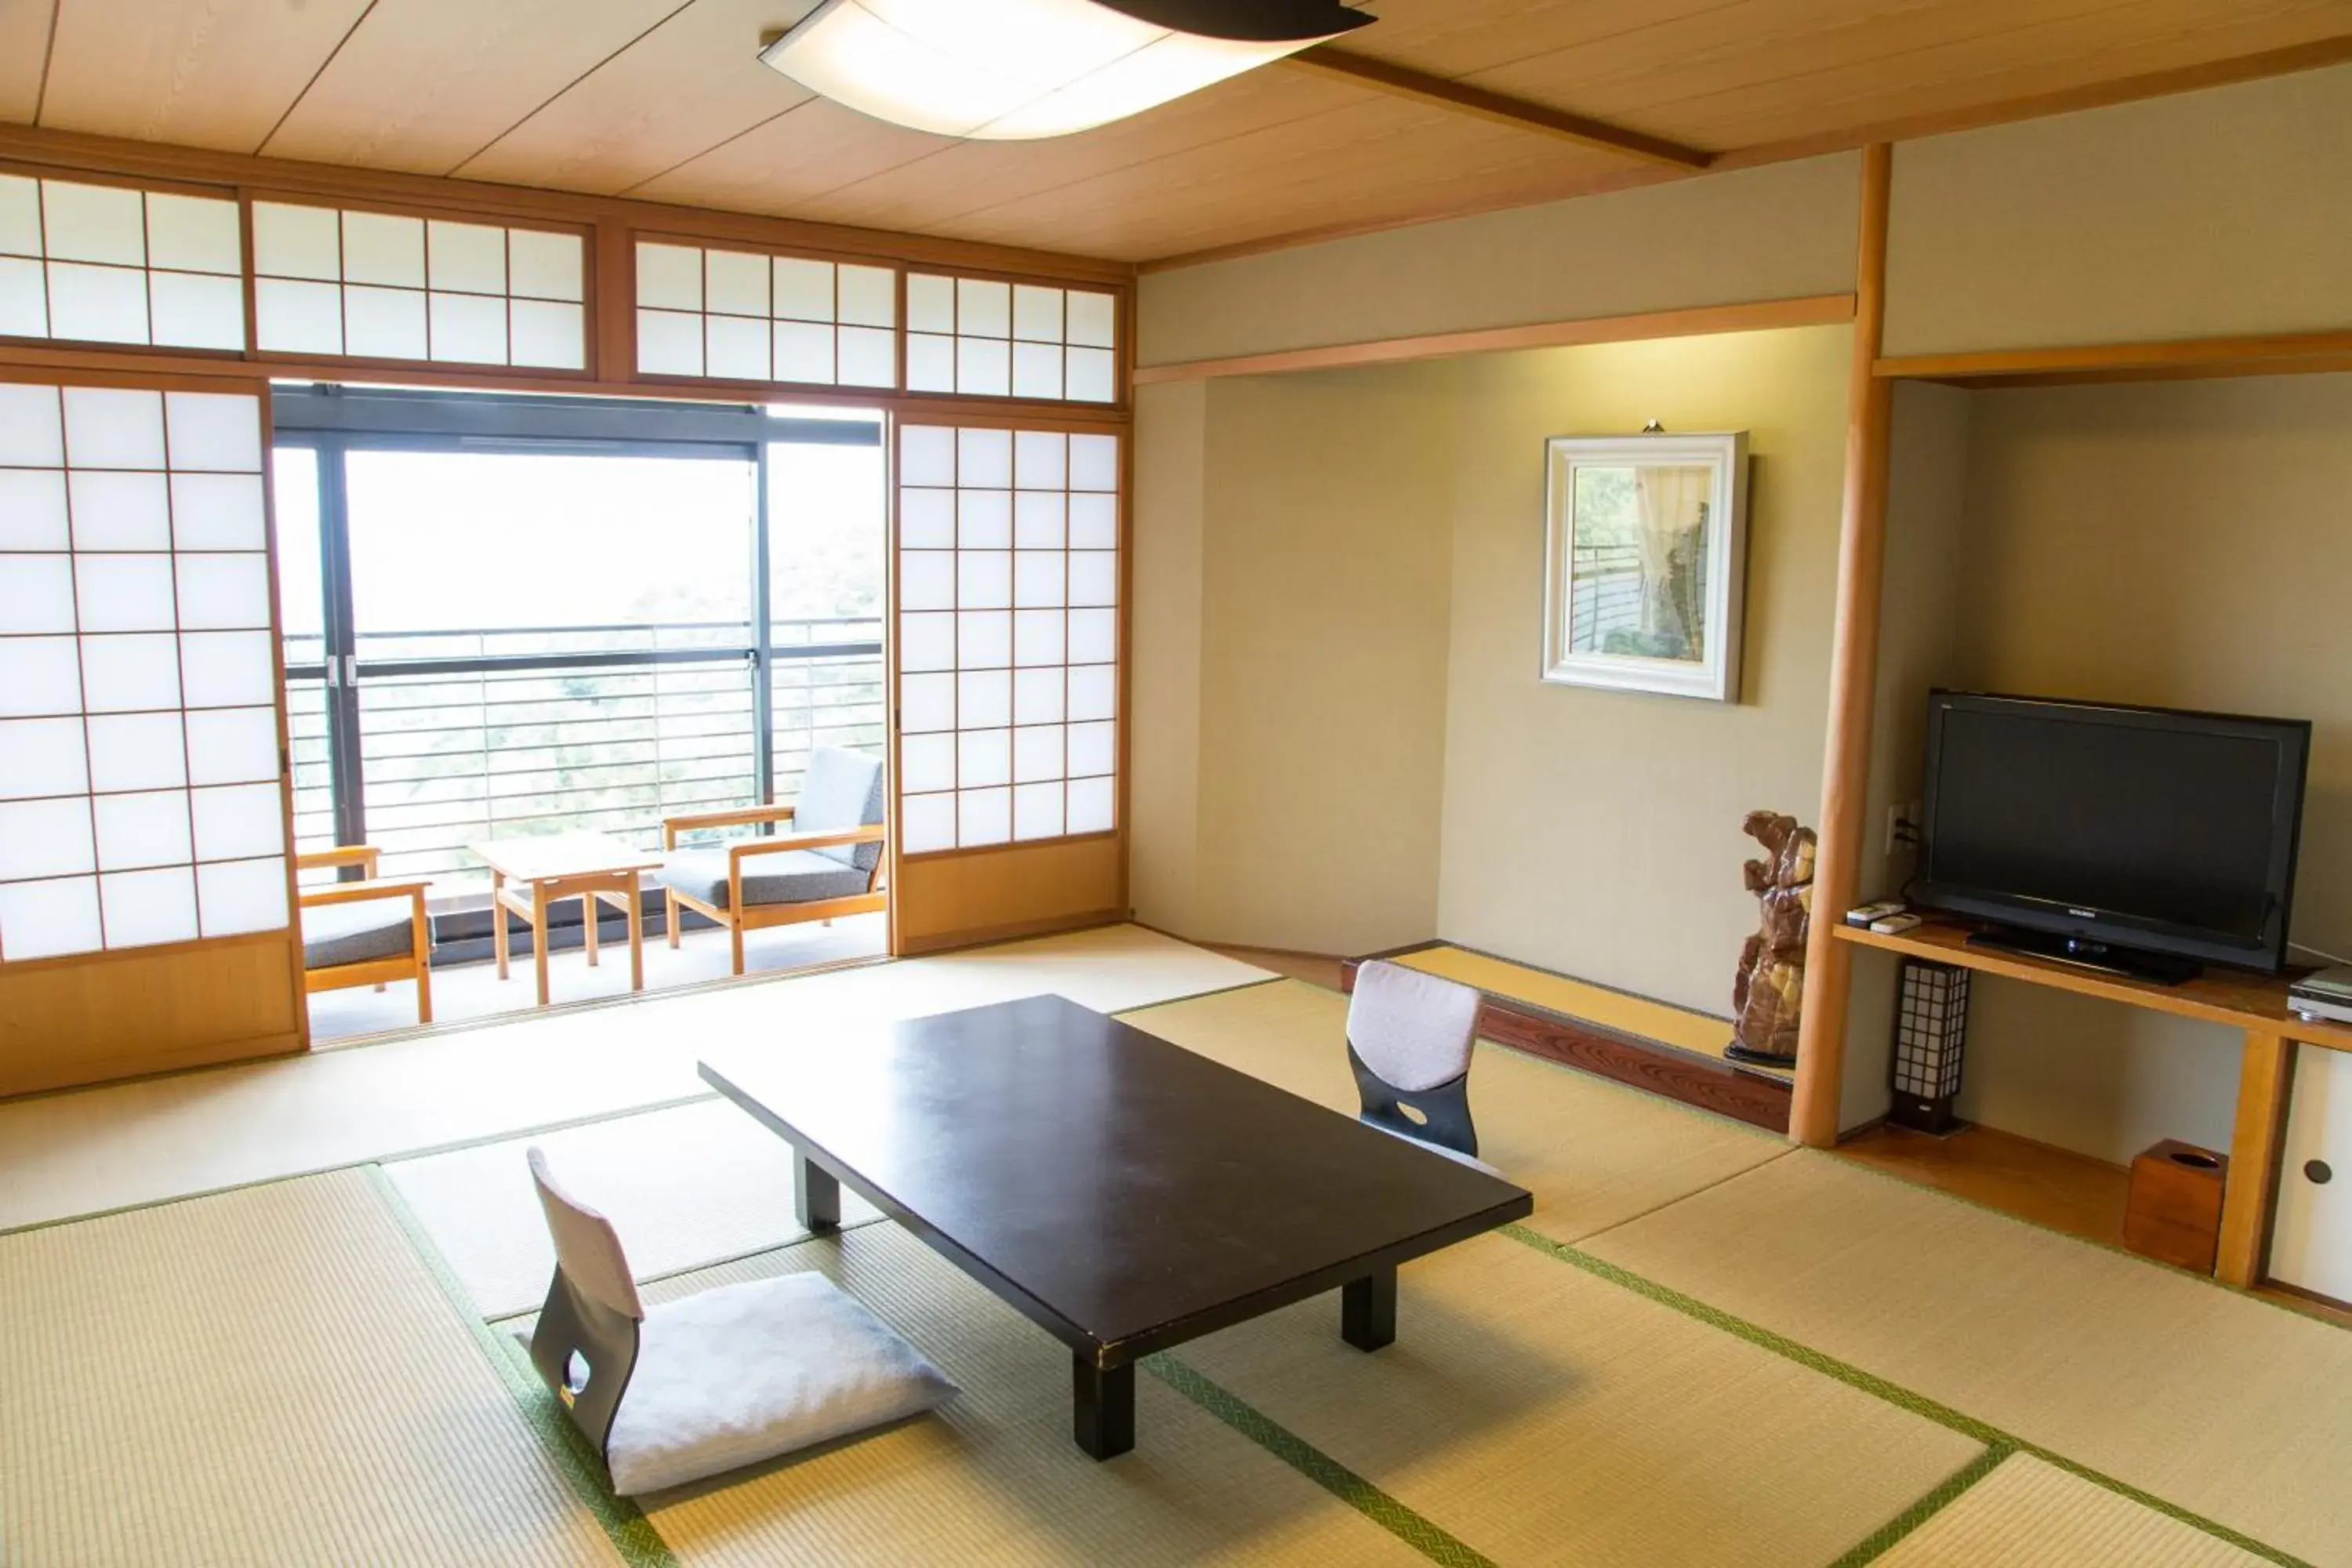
<point x="365" y="856"/>
<point x="871" y="834"/>
<point x="360" y="892"/>
<point x="673" y="825"/>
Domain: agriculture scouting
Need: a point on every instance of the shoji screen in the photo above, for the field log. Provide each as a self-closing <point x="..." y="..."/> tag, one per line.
<point x="1007" y="639"/>
<point x="143" y="812"/>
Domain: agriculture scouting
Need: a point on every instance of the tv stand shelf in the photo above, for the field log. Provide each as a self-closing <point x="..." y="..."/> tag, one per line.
<point x="2253" y="1004"/>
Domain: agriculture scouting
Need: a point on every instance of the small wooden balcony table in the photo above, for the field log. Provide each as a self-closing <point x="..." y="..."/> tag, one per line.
<point x="594" y="867"/>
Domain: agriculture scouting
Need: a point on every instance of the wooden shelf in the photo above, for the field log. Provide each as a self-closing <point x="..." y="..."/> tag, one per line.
<point x="2254" y="1004"/>
<point x="2228" y="998"/>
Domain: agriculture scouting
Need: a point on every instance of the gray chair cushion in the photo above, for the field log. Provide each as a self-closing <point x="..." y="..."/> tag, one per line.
<point x="335" y="934"/>
<point x="786" y="877"/>
<point x="840" y="790"/>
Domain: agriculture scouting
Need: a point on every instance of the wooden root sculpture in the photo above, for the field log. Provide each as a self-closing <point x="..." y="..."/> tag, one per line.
<point x="1771" y="986"/>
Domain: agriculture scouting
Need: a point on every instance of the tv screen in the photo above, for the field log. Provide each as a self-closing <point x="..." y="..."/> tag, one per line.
<point x="2147" y="828"/>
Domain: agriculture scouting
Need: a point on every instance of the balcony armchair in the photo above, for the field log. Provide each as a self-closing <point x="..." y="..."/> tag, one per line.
<point x="368" y="932"/>
<point x="831" y="863"/>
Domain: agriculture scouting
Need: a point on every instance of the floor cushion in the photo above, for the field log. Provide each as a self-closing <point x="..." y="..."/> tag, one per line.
<point x="744" y="1372"/>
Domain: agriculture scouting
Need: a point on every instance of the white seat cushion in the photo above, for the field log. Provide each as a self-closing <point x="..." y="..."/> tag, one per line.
<point x="745" y="1372"/>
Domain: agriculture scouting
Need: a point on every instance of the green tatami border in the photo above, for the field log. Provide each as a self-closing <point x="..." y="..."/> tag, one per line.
<point x="624" y="1524"/>
<point x="1947" y="1491"/>
<point x="1424" y="1536"/>
<point x="1892" y="1393"/>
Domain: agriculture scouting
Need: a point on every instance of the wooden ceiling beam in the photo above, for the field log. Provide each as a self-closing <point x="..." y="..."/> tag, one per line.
<point x="1499" y="109"/>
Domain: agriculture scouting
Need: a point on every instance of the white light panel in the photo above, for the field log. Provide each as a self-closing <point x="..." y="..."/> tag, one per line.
<point x="112" y="264"/>
<point x="734" y="315"/>
<point x="1007" y="635"/>
<point x="978" y="337"/>
<point x="140" y="798"/>
<point x="368" y="285"/>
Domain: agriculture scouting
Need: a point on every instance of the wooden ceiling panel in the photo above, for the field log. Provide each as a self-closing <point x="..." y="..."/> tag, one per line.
<point x="424" y="85"/>
<point x="967" y="176"/>
<point x="1364" y="164"/>
<point x="2052" y="53"/>
<point x="24" y="50"/>
<point x="201" y="73"/>
<point x="784" y="164"/>
<point x="692" y="83"/>
<point x="663" y="99"/>
<point x="1462" y="39"/>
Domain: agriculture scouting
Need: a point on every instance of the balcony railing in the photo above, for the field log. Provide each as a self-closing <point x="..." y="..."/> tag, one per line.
<point x="497" y="732"/>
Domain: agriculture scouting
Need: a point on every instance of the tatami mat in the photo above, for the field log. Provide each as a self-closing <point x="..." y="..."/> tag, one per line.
<point x="1618" y="1010"/>
<point x="267" y="1376"/>
<point x="128" y="1144"/>
<point x="1594" y="1154"/>
<point x="1544" y="1415"/>
<point x="2225" y="1405"/>
<point x="2029" y="1514"/>
<point x="993" y="1477"/>
<point x="686" y="1187"/>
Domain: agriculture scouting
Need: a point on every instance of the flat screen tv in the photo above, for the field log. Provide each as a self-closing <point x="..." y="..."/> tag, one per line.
<point x="2138" y="838"/>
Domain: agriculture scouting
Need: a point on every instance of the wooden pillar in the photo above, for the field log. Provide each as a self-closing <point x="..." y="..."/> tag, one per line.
<point x="2266" y="1072"/>
<point x="1854" y="680"/>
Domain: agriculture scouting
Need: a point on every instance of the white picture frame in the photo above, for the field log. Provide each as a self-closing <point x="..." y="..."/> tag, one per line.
<point x="1646" y="559"/>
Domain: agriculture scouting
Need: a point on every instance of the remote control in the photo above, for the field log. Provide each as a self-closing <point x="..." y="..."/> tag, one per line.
<point x="1865" y="913"/>
<point x="1891" y="925"/>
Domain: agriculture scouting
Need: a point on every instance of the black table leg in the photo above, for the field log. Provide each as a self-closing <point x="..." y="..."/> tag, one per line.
<point x="816" y="1195"/>
<point x="1102" y="1407"/>
<point x="1368" y="1310"/>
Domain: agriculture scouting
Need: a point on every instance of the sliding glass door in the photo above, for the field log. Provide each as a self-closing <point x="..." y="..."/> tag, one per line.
<point x="511" y="618"/>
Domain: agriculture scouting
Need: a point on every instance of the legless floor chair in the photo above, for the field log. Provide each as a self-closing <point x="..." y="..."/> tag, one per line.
<point x="1409" y="1043"/>
<point x="828" y="864"/>
<point x="696" y="1387"/>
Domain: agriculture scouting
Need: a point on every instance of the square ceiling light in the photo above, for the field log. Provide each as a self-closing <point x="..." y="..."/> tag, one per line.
<point x="1010" y="71"/>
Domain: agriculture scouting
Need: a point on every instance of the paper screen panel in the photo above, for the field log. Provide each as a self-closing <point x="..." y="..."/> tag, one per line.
<point x="739" y="315"/>
<point x="112" y="264"/>
<point x="140" y="781"/>
<point x="981" y="337"/>
<point x="1007" y="636"/>
<point x="372" y="285"/>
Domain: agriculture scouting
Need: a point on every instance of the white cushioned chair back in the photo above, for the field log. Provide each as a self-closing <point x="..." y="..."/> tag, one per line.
<point x="1413" y="1030"/>
<point x="841" y="790"/>
<point x="587" y="1248"/>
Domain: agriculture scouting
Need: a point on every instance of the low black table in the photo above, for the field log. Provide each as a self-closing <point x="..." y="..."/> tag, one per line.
<point x="1123" y="1193"/>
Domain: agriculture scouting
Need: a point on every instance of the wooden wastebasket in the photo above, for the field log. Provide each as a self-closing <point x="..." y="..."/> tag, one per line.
<point x="2174" y="1211"/>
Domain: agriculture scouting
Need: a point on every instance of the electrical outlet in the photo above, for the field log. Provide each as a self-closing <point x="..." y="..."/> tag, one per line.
<point x="1902" y="827"/>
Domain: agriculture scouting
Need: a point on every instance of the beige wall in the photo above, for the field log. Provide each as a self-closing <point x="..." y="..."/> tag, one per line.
<point x="2202" y="215"/>
<point x="1598" y="832"/>
<point x="1297" y="652"/>
<point x="1163" y="793"/>
<point x="1774" y="233"/>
